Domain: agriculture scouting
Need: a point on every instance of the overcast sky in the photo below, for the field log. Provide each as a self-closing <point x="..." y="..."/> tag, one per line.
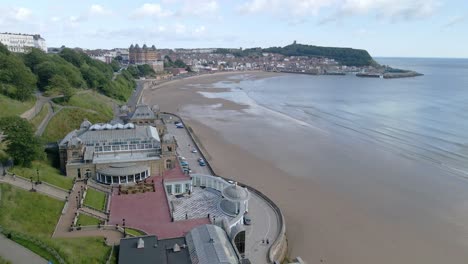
<point x="404" y="28"/>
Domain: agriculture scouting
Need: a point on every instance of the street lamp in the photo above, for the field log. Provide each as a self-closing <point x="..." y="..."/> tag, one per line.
<point x="38" y="180"/>
<point x="123" y="225"/>
<point x="32" y="185"/>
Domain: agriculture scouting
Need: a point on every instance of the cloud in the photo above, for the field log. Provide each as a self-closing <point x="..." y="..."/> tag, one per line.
<point x="455" y="20"/>
<point x="201" y="7"/>
<point x="150" y="10"/>
<point x="292" y="7"/>
<point x="199" y="30"/>
<point x="21" y="13"/>
<point x="98" y="10"/>
<point x="392" y="10"/>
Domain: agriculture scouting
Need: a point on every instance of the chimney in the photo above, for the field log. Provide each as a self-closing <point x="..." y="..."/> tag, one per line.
<point x="176" y="248"/>
<point x="141" y="243"/>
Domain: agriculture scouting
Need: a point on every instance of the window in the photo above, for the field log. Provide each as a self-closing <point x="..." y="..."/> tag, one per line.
<point x="239" y="241"/>
<point x="169" y="189"/>
<point x="107" y="148"/>
<point x="124" y="147"/>
<point x="168" y="164"/>
<point x="187" y="187"/>
<point x="177" y="188"/>
<point x="115" y="147"/>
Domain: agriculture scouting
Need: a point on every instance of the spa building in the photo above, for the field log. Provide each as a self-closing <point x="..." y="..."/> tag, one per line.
<point x="116" y="153"/>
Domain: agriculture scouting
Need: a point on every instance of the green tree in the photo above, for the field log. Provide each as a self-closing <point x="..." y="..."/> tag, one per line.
<point x="115" y="65"/>
<point x="145" y="70"/>
<point x="22" y="145"/>
<point x="133" y="71"/>
<point x="61" y="84"/>
<point x="16" y="80"/>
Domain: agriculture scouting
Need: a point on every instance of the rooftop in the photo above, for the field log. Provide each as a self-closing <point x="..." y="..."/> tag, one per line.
<point x="210" y="244"/>
<point x="142" y="112"/>
<point x="148" y="249"/>
<point x="118" y="157"/>
<point x="109" y="133"/>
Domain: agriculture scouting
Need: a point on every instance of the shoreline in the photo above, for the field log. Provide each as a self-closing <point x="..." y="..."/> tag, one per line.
<point x="340" y="198"/>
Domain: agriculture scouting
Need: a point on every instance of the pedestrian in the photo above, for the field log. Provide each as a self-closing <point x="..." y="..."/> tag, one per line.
<point x="263" y="241"/>
<point x="268" y="241"/>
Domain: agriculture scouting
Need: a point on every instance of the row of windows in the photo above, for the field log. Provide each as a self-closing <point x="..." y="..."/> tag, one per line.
<point x="177" y="188"/>
<point x="125" y="147"/>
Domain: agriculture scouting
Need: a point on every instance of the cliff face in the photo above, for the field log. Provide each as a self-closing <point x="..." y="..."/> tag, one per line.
<point x="345" y="56"/>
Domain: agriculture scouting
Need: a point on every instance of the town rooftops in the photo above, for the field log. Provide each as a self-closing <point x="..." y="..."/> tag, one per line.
<point x="148" y="249"/>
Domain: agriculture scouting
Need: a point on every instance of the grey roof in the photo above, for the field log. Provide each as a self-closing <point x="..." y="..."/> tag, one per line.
<point x="162" y="253"/>
<point x="133" y="132"/>
<point x="123" y="169"/>
<point x="85" y="125"/>
<point x="89" y="151"/>
<point x="168" y="137"/>
<point x="235" y="193"/>
<point x="228" y="207"/>
<point x="209" y="244"/>
<point x="74" y="141"/>
<point x="143" y="112"/>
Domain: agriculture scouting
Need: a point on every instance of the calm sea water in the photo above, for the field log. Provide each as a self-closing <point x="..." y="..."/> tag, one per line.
<point x="424" y="117"/>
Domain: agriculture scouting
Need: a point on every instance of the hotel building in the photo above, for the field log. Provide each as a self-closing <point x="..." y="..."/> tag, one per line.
<point x="22" y="42"/>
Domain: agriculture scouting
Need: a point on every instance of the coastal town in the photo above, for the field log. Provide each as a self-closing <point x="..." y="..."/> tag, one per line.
<point x="140" y="179"/>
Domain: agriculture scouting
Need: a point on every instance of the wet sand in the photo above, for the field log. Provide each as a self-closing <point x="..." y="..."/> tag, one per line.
<point x="344" y="200"/>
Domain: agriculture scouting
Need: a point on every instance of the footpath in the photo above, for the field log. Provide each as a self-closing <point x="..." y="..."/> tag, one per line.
<point x="44" y="188"/>
<point x="16" y="253"/>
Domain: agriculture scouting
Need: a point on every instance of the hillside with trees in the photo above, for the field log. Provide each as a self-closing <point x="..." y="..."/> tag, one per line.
<point x="345" y="56"/>
<point x="63" y="73"/>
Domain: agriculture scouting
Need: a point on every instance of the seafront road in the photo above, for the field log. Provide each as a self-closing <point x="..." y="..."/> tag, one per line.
<point x="265" y="223"/>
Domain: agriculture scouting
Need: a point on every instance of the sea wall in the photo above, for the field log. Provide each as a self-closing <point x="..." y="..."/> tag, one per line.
<point x="278" y="250"/>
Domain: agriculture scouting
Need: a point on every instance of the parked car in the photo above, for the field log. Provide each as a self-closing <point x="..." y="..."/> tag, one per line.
<point x="184" y="163"/>
<point x="194" y="150"/>
<point x="247" y="219"/>
<point x="200" y="159"/>
<point x="180" y="125"/>
<point x="202" y="163"/>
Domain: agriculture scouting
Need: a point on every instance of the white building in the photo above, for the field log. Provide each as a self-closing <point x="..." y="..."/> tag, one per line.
<point x="22" y="42"/>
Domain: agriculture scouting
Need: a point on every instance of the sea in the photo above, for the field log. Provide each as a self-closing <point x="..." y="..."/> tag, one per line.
<point x="424" y="117"/>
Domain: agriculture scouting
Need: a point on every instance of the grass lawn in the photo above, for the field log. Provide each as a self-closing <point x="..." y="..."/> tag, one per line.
<point x="10" y="107"/>
<point x="69" y="119"/>
<point x="134" y="232"/>
<point x="4" y="261"/>
<point x="92" y="100"/>
<point x="35" y="248"/>
<point x="29" y="213"/>
<point x="36" y="121"/>
<point x="47" y="173"/>
<point x="36" y="215"/>
<point x="95" y="199"/>
<point x="86" y="220"/>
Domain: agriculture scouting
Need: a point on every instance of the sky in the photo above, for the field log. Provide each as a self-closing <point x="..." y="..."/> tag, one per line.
<point x="385" y="28"/>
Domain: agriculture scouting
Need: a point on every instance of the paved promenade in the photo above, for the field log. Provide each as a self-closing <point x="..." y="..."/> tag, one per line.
<point x="265" y="223"/>
<point x="18" y="254"/>
<point x="42" y="188"/>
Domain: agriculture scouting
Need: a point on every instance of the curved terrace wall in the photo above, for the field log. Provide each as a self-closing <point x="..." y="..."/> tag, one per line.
<point x="278" y="249"/>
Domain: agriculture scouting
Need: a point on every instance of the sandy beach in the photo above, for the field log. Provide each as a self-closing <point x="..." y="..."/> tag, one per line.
<point x="344" y="202"/>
